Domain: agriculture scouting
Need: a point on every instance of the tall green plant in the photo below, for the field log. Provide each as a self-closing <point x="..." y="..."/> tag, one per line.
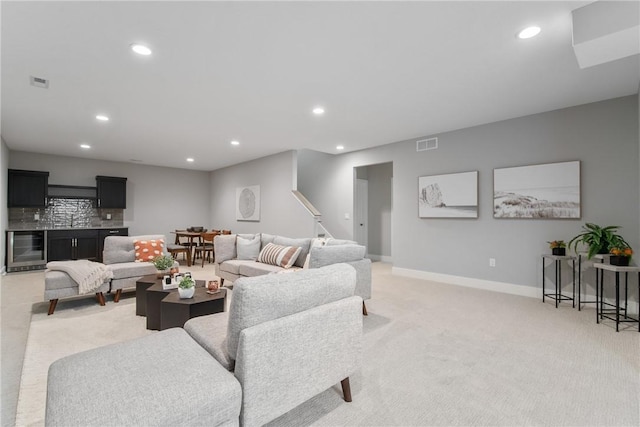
<point x="598" y="239"/>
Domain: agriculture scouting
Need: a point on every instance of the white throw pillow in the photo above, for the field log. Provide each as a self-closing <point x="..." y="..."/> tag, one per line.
<point x="248" y="249"/>
<point x="283" y="256"/>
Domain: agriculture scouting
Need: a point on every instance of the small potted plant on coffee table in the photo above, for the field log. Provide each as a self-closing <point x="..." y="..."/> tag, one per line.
<point x="186" y="288"/>
<point x="163" y="264"/>
<point x="558" y="247"/>
<point x="620" y="255"/>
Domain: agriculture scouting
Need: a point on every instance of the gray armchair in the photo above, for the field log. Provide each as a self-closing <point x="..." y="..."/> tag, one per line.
<point x="286" y="337"/>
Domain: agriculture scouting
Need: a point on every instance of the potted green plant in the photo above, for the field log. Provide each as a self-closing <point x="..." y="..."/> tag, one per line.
<point x="598" y="239"/>
<point x="558" y="247"/>
<point x="162" y="263"/>
<point x="186" y="287"/>
<point x="620" y="255"/>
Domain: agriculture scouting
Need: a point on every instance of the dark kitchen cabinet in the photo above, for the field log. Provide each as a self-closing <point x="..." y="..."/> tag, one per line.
<point x="106" y="232"/>
<point x="112" y="192"/>
<point x="27" y="189"/>
<point x="65" y="245"/>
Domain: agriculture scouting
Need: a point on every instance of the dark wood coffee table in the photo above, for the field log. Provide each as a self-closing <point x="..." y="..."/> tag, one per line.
<point x="174" y="312"/>
<point x="150" y="297"/>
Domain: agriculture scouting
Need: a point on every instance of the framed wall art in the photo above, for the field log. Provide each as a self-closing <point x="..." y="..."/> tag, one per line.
<point x="453" y="195"/>
<point x="549" y="191"/>
<point x="248" y="203"/>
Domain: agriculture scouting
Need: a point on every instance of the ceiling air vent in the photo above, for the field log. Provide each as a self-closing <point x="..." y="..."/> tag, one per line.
<point x="427" y="144"/>
<point x="39" y="82"/>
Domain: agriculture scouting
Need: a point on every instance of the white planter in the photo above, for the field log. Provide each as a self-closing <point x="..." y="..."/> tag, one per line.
<point x="186" y="293"/>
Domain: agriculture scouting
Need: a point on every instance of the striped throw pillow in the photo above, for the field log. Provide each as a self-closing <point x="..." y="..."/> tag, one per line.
<point x="283" y="256"/>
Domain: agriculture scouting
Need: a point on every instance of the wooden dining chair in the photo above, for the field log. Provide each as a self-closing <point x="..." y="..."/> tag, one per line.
<point x="226" y="231"/>
<point x="179" y="247"/>
<point x="205" y="248"/>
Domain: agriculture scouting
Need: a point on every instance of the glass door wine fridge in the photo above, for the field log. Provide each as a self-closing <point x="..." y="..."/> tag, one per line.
<point x="26" y="250"/>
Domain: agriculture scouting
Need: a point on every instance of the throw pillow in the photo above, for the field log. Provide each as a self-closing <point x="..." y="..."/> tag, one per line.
<point x="248" y="248"/>
<point x="148" y="250"/>
<point x="283" y="256"/>
<point x="301" y="243"/>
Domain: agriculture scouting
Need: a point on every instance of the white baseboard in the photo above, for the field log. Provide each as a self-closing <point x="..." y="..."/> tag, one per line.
<point x="469" y="282"/>
<point x="382" y="258"/>
<point x="489" y="285"/>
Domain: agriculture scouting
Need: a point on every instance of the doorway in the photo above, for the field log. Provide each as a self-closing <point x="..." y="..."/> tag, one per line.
<point x="373" y="202"/>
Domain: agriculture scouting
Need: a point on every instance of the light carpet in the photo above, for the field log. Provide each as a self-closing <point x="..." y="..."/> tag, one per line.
<point x="434" y="354"/>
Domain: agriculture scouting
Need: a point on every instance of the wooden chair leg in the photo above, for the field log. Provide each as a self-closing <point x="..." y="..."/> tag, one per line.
<point x="189" y="257"/>
<point x="364" y="309"/>
<point x="100" y="297"/>
<point x="116" y="297"/>
<point x="52" y="306"/>
<point x="221" y="281"/>
<point x="346" y="389"/>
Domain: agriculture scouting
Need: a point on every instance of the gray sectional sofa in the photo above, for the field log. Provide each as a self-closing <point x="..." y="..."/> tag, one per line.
<point x="269" y="353"/>
<point x="233" y="261"/>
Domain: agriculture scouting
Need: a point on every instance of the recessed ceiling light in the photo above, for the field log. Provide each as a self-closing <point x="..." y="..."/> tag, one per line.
<point x="318" y="111"/>
<point x="340" y="147"/>
<point x="529" y="32"/>
<point x="189" y="159"/>
<point x="85" y="146"/>
<point x="234" y="142"/>
<point x="102" y="118"/>
<point x="141" y="49"/>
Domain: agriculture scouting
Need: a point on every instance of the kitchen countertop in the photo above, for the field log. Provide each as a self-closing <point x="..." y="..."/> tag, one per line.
<point x="31" y="228"/>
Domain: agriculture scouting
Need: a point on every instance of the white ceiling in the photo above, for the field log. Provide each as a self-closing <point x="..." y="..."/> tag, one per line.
<point x="252" y="71"/>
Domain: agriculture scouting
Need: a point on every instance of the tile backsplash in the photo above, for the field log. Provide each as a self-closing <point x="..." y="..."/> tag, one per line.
<point x="66" y="213"/>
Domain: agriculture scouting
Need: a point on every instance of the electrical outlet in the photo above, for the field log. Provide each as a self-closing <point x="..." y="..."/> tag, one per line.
<point x="108" y="216"/>
<point x="492" y="262"/>
<point x="347" y="216"/>
<point x="36" y="216"/>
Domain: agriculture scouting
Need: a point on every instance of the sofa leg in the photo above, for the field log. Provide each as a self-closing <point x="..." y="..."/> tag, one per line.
<point x="221" y="281"/>
<point x="364" y="309"/>
<point x="116" y="297"/>
<point x="100" y="297"/>
<point x="52" y="306"/>
<point x="346" y="389"/>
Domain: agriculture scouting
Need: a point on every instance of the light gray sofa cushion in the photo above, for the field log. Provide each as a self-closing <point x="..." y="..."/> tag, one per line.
<point x="260" y="268"/>
<point x="265" y="239"/>
<point x="303" y="244"/>
<point x="120" y="248"/>
<point x="210" y="332"/>
<point x="333" y="242"/>
<point x="224" y="247"/>
<point x="263" y="298"/>
<point x="248" y="247"/>
<point x="326" y="255"/>
<point x="131" y="269"/>
<point x="164" y="379"/>
<point x="233" y="265"/>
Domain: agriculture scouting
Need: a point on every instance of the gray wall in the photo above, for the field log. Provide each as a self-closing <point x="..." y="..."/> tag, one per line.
<point x="603" y="136"/>
<point x="159" y="199"/>
<point x="280" y="211"/>
<point x="379" y="209"/>
<point x="4" y="166"/>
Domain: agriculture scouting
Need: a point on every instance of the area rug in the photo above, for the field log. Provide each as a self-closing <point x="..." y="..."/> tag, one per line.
<point x="434" y="354"/>
<point x="77" y="325"/>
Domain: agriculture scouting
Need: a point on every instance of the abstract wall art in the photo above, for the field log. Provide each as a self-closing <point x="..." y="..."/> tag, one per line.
<point x="248" y="203"/>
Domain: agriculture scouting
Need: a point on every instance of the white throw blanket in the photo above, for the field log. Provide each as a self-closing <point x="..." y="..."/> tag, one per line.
<point x="88" y="275"/>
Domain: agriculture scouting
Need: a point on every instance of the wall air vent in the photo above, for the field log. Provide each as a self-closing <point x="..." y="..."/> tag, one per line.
<point x="39" y="82"/>
<point x="427" y="144"/>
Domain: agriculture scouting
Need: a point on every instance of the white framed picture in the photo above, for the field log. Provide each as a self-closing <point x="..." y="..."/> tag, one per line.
<point x="248" y="203"/>
<point x="453" y="195"/>
<point x="546" y="191"/>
